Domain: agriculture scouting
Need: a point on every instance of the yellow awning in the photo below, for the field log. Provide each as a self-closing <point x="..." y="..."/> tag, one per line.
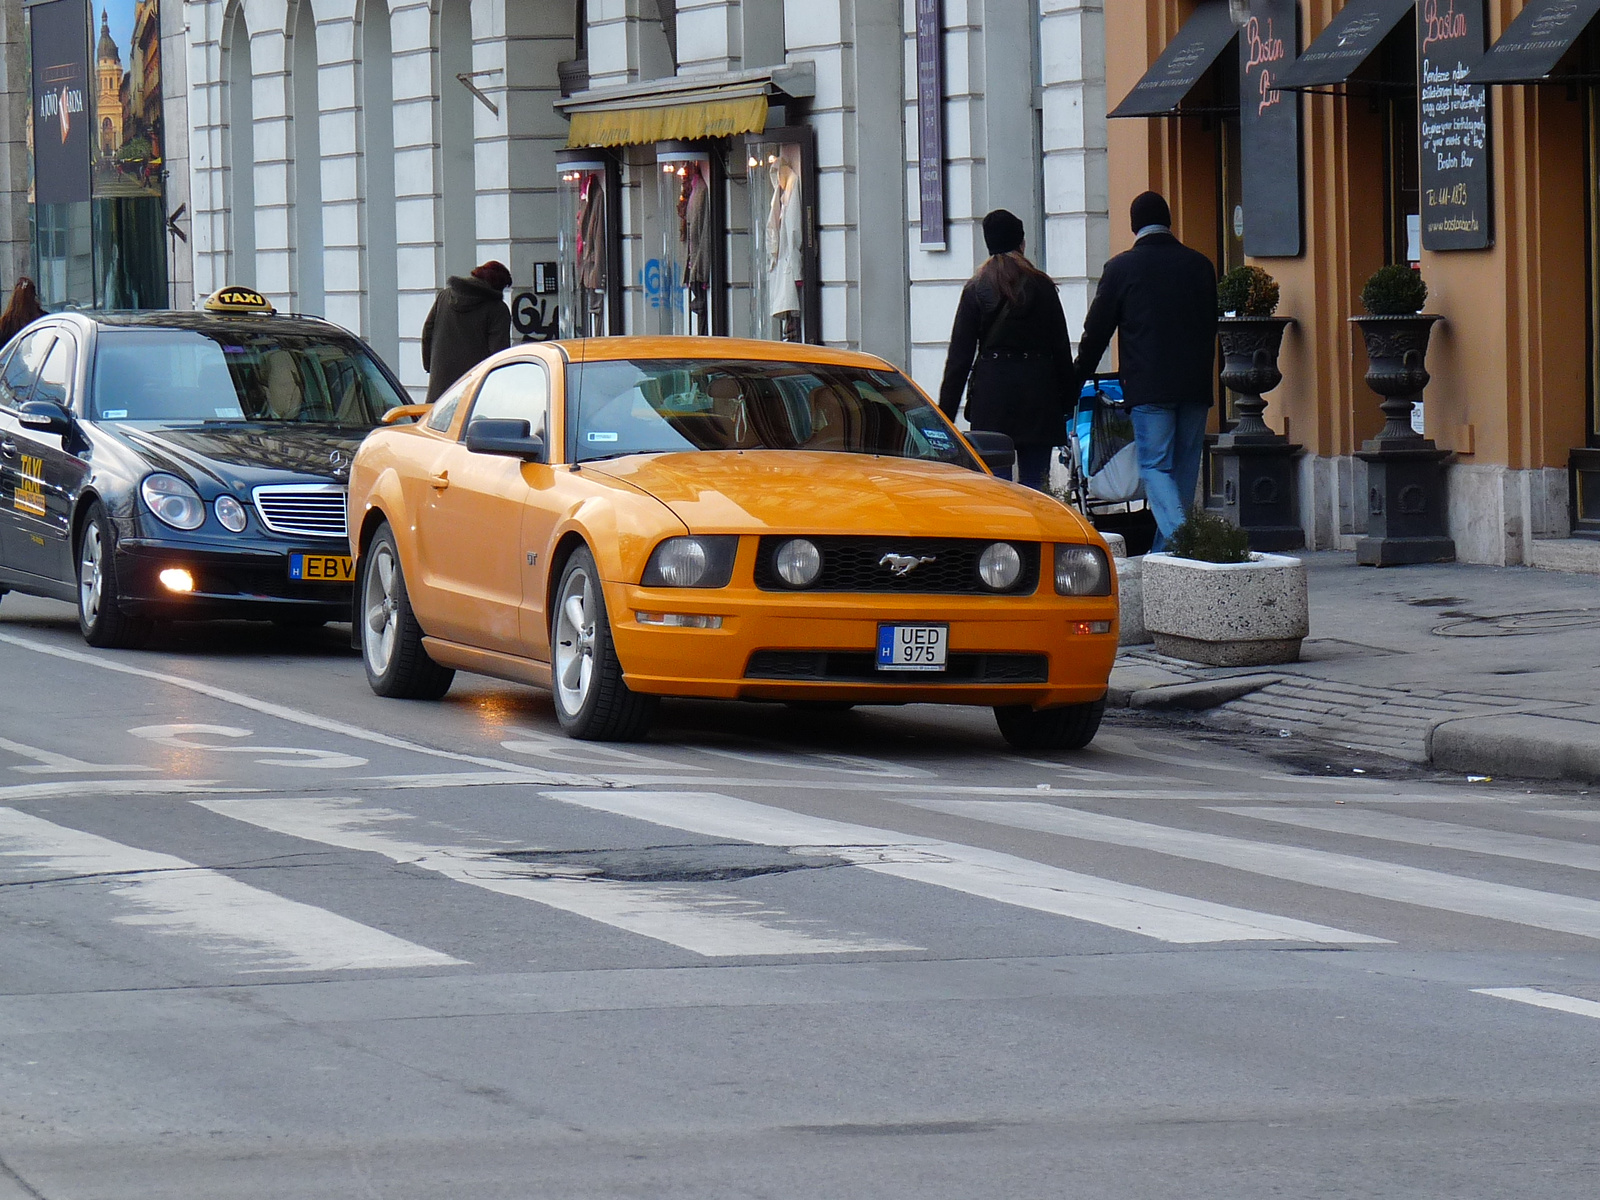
<point x="669" y="122"/>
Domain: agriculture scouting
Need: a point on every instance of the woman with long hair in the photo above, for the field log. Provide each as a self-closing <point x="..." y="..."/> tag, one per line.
<point x="1010" y="321"/>
<point x="23" y="310"/>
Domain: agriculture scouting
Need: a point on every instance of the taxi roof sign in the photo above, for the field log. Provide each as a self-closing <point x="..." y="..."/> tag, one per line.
<point x="238" y="300"/>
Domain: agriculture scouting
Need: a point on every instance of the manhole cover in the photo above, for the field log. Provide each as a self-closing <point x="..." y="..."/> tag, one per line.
<point x="1520" y="624"/>
<point x="673" y="864"/>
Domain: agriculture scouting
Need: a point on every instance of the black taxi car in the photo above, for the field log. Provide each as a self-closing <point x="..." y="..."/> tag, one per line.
<point x="183" y="465"/>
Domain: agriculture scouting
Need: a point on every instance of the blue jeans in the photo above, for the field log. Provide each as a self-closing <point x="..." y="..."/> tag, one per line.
<point x="1033" y="467"/>
<point x="1170" y="442"/>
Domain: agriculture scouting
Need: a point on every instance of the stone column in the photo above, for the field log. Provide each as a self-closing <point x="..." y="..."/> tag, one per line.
<point x="344" y="279"/>
<point x="416" y="142"/>
<point x="16" y="247"/>
<point x="709" y="36"/>
<point x="274" y="183"/>
<point x="1076" y="192"/>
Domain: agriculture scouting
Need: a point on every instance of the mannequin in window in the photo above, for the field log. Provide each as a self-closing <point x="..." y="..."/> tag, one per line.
<point x="694" y="209"/>
<point x="591" y="252"/>
<point x="784" y="234"/>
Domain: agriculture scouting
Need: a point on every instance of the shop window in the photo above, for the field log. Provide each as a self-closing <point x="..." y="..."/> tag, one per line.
<point x="1396" y="93"/>
<point x="785" y="300"/>
<point x="689" y="295"/>
<point x="587" y="245"/>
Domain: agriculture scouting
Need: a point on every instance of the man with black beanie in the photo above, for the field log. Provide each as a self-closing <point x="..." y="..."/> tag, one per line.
<point x="1161" y="299"/>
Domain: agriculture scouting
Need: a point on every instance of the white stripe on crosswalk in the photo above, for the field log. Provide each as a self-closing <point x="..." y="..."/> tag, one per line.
<point x="969" y="869"/>
<point x="1542" y="999"/>
<point x="1442" y="835"/>
<point x="171" y="895"/>
<point x="713" y="924"/>
<point x="1318" y="868"/>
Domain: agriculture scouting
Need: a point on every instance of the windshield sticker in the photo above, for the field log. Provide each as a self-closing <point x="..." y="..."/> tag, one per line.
<point x="115" y="414"/>
<point x="602" y="437"/>
<point x="228" y="412"/>
<point x="938" y="437"/>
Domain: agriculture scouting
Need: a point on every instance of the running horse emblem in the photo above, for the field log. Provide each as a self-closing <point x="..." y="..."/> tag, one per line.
<point x="903" y="564"/>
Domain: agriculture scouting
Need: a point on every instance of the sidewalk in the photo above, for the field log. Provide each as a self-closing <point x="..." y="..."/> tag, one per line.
<point x="1484" y="670"/>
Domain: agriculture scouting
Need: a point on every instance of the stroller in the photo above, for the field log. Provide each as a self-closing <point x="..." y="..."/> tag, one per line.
<point x="1102" y="464"/>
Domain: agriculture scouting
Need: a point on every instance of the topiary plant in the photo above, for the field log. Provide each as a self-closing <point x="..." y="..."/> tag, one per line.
<point x="1206" y="537"/>
<point x="1394" y="291"/>
<point x="1247" y="292"/>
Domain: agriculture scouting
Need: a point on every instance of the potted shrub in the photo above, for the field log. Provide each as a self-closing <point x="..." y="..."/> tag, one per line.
<point x="1396" y="331"/>
<point x="1209" y="599"/>
<point x="1251" y="336"/>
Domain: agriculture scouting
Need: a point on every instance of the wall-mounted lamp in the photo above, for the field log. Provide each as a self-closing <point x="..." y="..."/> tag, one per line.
<point x="1239" y="10"/>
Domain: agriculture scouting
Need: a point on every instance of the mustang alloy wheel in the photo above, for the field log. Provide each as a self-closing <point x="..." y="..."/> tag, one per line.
<point x="100" y="615"/>
<point x="391" y="640"/>
<point x="1070" y="727"/>
<point x="592" y="701"/>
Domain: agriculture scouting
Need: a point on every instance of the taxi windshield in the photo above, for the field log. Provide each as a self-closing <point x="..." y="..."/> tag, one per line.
<point x="645" y="406"/>
<point x="180" y="376"/>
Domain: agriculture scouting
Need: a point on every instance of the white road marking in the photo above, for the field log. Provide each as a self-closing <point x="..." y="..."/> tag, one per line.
<point x="594" y="755"/>
<point x="171" y="895"/>
<point x="48" y="762"/>
<point x="1414" y="831"/>
<point x="716" y="925"/>
<point x="1542" y="999"/>
<point x="114" y="787"/>
<point x="1318" y="868"/>
<point x="171" y="735"/>
<point x="969" y="869"/>
<point x="299" y="717"/>
<point x="848" y="764"/>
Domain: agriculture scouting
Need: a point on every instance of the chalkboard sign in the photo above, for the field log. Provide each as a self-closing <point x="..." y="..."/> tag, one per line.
<point x="1269" y="126"/>
<point x="1456" y="183"/>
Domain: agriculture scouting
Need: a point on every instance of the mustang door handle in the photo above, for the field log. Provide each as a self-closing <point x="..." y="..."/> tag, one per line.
<point x="440" y="479"/>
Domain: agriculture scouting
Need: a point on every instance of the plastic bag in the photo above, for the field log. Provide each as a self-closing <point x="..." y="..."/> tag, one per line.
<point x="1118" y="480"/>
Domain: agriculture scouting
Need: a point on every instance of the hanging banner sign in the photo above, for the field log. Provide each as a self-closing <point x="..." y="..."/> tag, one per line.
<point x="129" y="135"/>
<point x="61" y="118"/>
<point x="1269" y="130"/>
<point x="930" y="122"/>
<point x="1457" y="209"/>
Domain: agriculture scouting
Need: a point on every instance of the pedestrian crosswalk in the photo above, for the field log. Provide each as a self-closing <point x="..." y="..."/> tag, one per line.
<point x="1522" y="867"/>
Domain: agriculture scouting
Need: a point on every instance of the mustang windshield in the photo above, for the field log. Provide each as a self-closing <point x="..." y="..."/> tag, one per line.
<point x="179" y="376"/>
<point x="659" y="405"/>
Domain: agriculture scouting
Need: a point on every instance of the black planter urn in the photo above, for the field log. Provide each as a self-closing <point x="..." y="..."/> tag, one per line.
<point x="1253" y="472"/>
<point x="1406" y="488"/>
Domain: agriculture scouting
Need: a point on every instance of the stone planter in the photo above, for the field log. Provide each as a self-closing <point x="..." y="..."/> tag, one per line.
<point x="1227" y="614"/>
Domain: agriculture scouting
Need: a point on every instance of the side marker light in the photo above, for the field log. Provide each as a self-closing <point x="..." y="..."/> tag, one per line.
<point x="678" y="620"/>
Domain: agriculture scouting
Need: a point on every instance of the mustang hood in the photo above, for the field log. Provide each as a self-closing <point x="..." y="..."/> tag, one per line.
<point x="246" y="455"/>
<point x="783" y="491"/>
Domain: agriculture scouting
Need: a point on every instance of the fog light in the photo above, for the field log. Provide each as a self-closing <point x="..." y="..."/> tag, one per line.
<point x="176" y="579"/>
<point x="678" y="620"/>
<point x="1088" y="627"/>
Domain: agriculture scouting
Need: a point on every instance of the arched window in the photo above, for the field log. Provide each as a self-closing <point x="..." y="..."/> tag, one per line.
<point x="239" y="152"/>
<point x="458" y="160"/>
<point x="378" y="235"/>
<point x="309" y="249"/>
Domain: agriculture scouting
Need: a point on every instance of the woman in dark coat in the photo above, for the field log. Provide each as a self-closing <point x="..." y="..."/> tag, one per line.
<point x="1010" y="320"/>
<point x="468" y="322"/>
<point x="23" y="310"/>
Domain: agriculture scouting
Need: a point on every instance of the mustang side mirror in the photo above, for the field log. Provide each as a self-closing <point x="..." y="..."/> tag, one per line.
<point x="511" y="438"/>
<point x="997" y="450"/>
<point x="44" y="416"/>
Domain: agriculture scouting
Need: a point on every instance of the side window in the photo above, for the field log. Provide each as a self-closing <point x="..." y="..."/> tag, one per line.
<point x="16" y="383"/>
<point x="55" y="377"/>
<point x="444" y="408"/>
<point x="516" y="392"/>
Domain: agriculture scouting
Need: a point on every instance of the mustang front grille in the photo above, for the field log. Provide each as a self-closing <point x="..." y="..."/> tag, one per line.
<point x="868" y="564"/>
<point x="860" y="666"/>
<point x="302" y="509"/>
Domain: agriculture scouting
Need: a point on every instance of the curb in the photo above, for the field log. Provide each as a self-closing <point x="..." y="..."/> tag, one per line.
<point x="1529" y="745"/>
<point x="1192" y="697"/>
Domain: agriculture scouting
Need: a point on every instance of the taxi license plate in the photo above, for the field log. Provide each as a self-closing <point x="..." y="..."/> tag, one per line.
<point x="912" y="647"/>
<point x="322" y="568"/>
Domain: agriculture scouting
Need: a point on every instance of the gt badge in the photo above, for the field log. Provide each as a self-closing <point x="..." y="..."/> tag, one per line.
<point x="903" y="564"/>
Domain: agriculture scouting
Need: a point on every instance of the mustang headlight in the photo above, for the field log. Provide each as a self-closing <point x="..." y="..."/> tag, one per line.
<point x="1000" y="566"/>
<point x="173" y="501"/>
<point x="698" y="562"/>
<point x="1082" y="571"/>
<point x="798" y="562"/>
<point x="231" y="513"/>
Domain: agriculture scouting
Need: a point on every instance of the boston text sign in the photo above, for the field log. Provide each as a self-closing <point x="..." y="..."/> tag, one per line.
<point x="1269" y="127"/>
<point x="1456" y="195"/>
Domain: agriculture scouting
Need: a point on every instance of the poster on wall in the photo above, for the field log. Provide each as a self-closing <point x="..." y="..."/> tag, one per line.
<point x="1269" y="130"/>
<point x="127" y="132"/>
<point x="930" y="123"/>
<point x="1456" y="197"/>
<point x="60" y="55"/>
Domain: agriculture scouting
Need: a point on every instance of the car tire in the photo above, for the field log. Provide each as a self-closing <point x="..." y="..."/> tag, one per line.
<point x="592" y="702"/>
<point x="1070" y="727"/>
<point x="397" y="665"/>
<point x="101" y="619"/>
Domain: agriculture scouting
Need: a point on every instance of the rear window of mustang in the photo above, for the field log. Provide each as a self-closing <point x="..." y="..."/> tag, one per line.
<point x="642" y="406"/>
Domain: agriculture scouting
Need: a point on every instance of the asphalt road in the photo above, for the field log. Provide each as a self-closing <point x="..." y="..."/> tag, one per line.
<point x="263" y="934"/>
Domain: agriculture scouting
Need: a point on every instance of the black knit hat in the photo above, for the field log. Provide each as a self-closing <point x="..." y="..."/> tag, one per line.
<point x="1003" y="232"/>
<point x="1149" y="208"/>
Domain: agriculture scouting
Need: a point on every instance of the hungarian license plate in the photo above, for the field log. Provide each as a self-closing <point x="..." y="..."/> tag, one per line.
<point x="912" y="647"/>
<point x="322" y="568"/>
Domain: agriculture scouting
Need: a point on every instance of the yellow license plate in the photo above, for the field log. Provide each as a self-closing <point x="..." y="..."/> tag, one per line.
<point x="322" y="568"/>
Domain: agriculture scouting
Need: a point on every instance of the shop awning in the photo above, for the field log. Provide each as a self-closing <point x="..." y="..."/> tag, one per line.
<point x="1533" y="43"/>
<point x="1201" y="41"/>
<point x="1348" y="41"/>
<point x="686" y="108"/>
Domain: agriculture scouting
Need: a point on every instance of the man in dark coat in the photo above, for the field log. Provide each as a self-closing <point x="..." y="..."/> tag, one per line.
<point x="1161" y="298"/>
<point x="468" y="322"/>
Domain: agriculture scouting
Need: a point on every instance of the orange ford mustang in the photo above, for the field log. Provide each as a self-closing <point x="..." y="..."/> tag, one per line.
<point x="621" y="519"/>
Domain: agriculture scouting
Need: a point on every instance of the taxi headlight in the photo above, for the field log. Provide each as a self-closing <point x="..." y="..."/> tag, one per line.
<point x="705" y="562"/>
<point x="1082" y="571"/>
<point x="1000" y="566"/>
<point x="173" y="501"/>
<point x="231" y="513"/>
<point x="798" y="562"/>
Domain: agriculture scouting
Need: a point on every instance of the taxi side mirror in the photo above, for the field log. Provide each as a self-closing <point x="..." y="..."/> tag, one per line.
<point x="514" y="439"/>
<point x="405" y="412"/>
<point x="44" y="416"/>
<point x="997" y="450"/>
